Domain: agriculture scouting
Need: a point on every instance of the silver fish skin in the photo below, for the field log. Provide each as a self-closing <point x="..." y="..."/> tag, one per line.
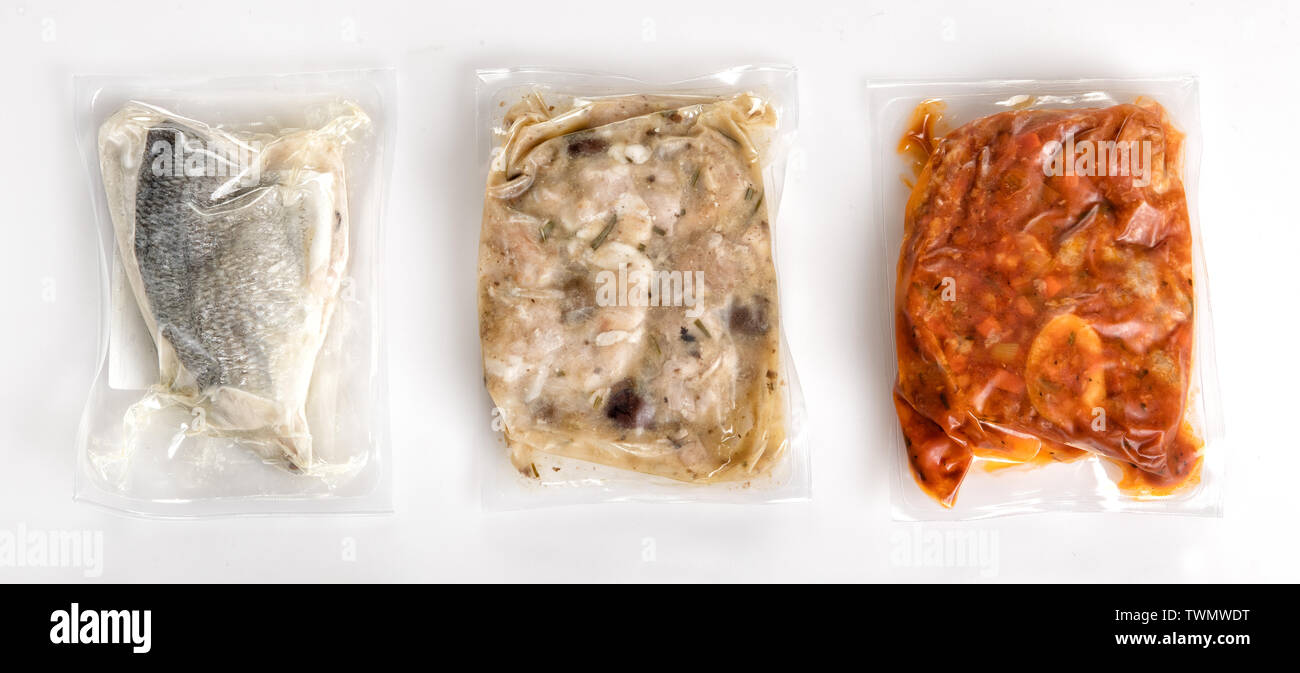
<point x="235" y="246"/>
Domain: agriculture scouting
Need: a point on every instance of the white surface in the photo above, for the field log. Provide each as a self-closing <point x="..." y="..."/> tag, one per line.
<point x="1246" y="57"/>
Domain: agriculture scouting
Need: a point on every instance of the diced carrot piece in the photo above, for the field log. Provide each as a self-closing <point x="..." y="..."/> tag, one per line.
<point x="1009" y="382"/>
<point x="1030" y="144"/>
<point x="987" y="326"/>
<point x="1053" y="285"/>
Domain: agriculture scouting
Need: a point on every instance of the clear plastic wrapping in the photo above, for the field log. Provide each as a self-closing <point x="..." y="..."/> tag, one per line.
<point x="629" y="312"/>
<point x="1051" y="312"/>
<point x="241" y="333"/>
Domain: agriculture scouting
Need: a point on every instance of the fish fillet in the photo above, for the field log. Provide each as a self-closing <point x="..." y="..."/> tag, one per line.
<point x="235" y="246"/>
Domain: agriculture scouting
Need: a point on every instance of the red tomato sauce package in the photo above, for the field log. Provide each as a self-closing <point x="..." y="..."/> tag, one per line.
<point x="1047" y="301"/>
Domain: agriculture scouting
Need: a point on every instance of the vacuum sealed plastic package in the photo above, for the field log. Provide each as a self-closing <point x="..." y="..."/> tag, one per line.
<point x="241" y="367"/>
<point x="1051" y="317"/>
<point x="628" y="305"/>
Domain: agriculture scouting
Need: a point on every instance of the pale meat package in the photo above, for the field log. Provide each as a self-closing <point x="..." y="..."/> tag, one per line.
<point x="239" y="223"/>
<point x="1050" y="309"/>
<point x="628" y="305"/>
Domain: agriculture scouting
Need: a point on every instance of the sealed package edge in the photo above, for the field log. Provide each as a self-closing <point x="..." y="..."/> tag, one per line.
<point x="239" y="222"/>
<point x="1048" y="305"/>
<point x="628" y="306"/>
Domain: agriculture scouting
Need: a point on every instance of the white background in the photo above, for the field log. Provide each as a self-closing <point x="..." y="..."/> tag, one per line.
<point x="1245" y="54"/>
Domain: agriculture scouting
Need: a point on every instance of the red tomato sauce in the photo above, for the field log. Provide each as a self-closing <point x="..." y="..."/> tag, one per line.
<point x="1044" y="304"/>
